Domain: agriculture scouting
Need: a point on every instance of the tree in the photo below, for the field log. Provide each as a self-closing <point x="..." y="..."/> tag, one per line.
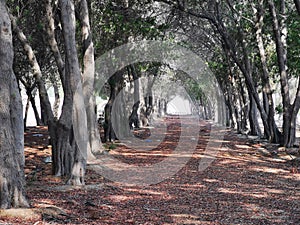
<point x="70" y="153"/>
<point x="290" y="109"/>
<point x="88" y="73"/>
<point x="12" y="179"/>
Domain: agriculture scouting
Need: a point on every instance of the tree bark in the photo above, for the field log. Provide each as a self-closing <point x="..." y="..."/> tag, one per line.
<point x="70" y="158"/>
<point x="254" y="126"/>
<point x="88" y="74"/>
<point x="267" y="90"/>
<point x="116" y="84"/>
<point x="56" y="103"/>
<point x="12" y="179"/>
<point x="289" y="110"/>
<point x="134" y="118"/>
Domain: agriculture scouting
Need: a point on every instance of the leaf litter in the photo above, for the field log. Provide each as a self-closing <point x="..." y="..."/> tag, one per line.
<point x="242" y="186"/>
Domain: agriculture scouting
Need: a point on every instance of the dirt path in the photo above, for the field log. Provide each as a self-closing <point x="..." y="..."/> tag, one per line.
<point x="242" y="186"/>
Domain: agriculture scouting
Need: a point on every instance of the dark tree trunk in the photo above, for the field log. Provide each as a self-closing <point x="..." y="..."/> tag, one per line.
<point x="254" y="126"/>
<point x="268" y="102"/>
<point x="297" y="4"/>
<point x="12" y="179"/>
<point x="289" y="110"/>
<point x="134" y="117"/>
<point x="229" y="105"/>
<point x="116" y="85"/>
<point x="35" y="110"/>
<point x="26" y="113"/>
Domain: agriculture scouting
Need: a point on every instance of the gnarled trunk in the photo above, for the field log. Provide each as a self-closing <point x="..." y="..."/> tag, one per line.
<point x="12" y="179"/>
<point x="88" y="74"/>
<point x="71" y="141"/>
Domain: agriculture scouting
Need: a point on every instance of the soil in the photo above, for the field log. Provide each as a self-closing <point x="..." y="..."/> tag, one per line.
<point x="249" y="182"/>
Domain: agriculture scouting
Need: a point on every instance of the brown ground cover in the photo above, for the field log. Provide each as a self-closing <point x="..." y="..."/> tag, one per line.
<point x="246" y="184"/>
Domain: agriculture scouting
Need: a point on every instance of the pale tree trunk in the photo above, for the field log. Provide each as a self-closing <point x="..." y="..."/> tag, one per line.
<point x="244" y="106"/>
<point x="12" y="179"/>
<point x="120" y="117"/>
<point x="289" y="110"/>
<point x="88" y="74"/>
<point x="70" y="158"/>
<point x="56" y="103"/>
<point x="267" y="90"/>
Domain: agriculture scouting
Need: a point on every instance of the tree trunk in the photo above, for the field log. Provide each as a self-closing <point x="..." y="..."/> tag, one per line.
<point x="71" y="146"/>
<point x="35" y="109"/>
<point x="232" y="51"/>
<point x="116" y="84"/>
<point x="44" y="98"/>
<point x="88" y="74"/>
<point x="147" y="110"/>
<point x="26" y="113"/>
<point x="134" y="118"/>
<point x="120" y="116"/>
<point x="267" y="90"/>
<point x="12" y="179"/>
<point x="289" y="110"/>
<point x="56" y="103"/>
<point x="254" y="126"/>
<point x="226" y="89"/>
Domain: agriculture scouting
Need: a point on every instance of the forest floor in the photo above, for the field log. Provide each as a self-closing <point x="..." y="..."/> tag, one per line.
<point x="249" y="182"/>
